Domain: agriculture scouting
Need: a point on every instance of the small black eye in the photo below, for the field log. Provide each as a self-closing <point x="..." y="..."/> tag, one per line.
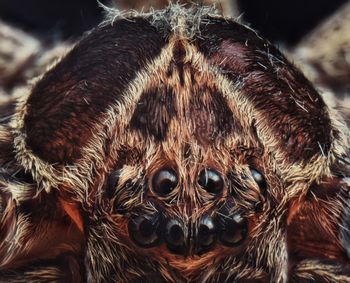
<point x="175" y="237"/>
<point x="164" y="181"/>
<point x="258" y="178"/>
<point x="112" y="183"/>
<point x="206" y="234"/>
<point x="234" y="229"/>
<point x="211" y="181"/>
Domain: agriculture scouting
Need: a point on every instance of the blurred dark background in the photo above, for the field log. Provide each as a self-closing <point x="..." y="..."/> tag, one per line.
<point x="287" y="20"/>
<point x="53" y="19"/>
<point x="280" y="21"/>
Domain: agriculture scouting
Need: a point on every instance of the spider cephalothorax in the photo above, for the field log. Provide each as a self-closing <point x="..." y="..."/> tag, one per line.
<point x="174" y="146"/>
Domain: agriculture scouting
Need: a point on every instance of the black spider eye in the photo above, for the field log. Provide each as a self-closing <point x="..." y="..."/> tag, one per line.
<point x="258" y="178"/>
<point x="234" y="229"/>
<point x="164" y="181"/>
<point x="144" y="230"/>
<point x="211" y="181"/>
<point x="112" y="182"/>
<point x="175" y="236"/>
<point x="206" y="234"/>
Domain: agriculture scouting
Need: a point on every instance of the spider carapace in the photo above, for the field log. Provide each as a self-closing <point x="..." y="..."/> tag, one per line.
<point x="174" y="146"/>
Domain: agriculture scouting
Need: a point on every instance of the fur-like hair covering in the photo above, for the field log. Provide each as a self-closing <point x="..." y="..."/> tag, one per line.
<point x="185" y="89"/>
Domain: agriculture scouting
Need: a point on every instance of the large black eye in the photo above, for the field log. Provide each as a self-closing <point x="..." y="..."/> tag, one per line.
<point x="258" y="178"/>
<point x="144" y="230"/>
<point x="164" y="181"/>
<point x="211" y="181"/>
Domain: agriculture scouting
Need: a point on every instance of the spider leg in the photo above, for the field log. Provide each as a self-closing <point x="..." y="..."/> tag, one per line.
<point x="65" y="268"/>
<point x="320" y="271"/>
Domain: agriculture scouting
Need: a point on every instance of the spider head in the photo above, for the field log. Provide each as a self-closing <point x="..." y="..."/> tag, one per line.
<point x="182" y="136"/>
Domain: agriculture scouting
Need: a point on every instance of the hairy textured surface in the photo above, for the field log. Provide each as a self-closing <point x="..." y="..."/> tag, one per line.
<point x="184" y="89"/>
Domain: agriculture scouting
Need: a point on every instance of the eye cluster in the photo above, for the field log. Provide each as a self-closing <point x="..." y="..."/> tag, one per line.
<point x="226" y="225"/>
<point x="153" y="229"/>
<point x="166" y="180"/>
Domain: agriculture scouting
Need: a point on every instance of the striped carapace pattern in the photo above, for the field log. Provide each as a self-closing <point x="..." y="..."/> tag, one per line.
<point x="174" y="146"/>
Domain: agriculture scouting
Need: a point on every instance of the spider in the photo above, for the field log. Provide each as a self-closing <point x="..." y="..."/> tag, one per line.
<point x="174" y="146"/>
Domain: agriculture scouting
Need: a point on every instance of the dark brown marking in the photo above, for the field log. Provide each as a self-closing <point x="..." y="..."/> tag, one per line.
<point x="212" y="120"/>
<point x="291" y="106"/>
<point x="154" y="112"/>
<point x="66" y="104"/>
<point x="178" y="61"/>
